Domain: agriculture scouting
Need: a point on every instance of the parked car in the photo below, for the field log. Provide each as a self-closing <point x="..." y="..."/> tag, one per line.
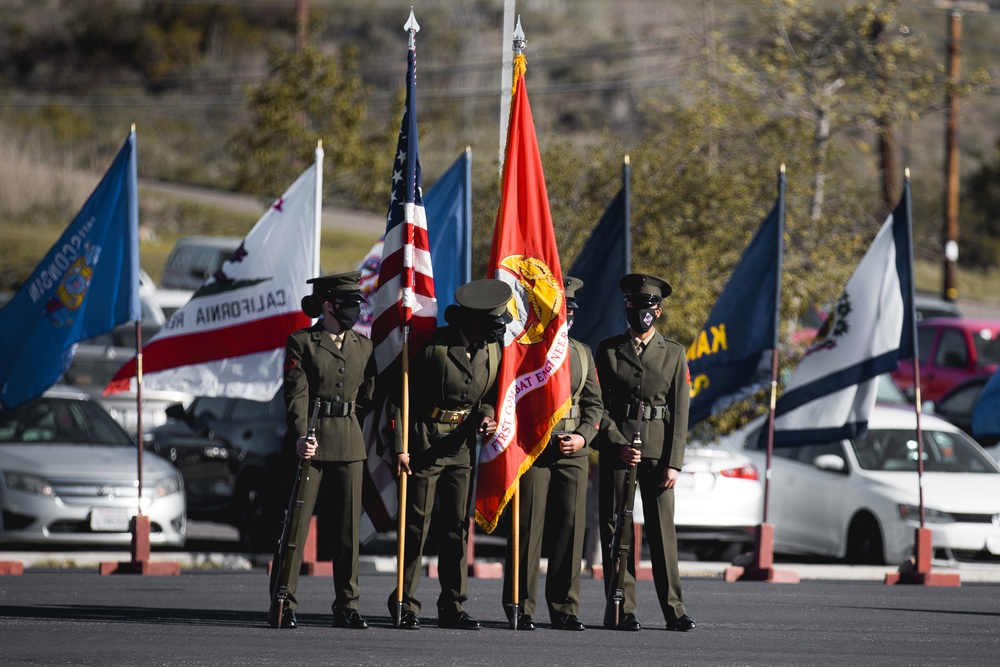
<point x="949" y="351"/>
<point x="859" y="499"/>
<point x="228" y="451"/>
<point x="195" y="258"/>
<point x="69" y="475"/>
<point x="956" y="406"/>
<point x="719" y="501"/>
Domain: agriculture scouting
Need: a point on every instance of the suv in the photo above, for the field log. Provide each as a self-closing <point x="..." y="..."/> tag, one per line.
<point x="228" y="450"/>
<point x="195" y="258"/>
<point x="950" y="350"/>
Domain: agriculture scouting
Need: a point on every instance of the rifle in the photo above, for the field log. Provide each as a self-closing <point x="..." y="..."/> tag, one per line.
<point x="280" y="590"/>
<point x="621" y="540"/>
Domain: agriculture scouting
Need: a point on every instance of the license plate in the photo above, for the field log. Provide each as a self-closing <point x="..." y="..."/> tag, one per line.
<point x="109" y="520"/>
<point x="696" y="481"/>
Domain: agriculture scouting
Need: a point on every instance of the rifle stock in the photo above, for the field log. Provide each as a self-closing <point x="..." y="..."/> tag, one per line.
<point x="621" y="540"/>
<point x="279" y="594"/>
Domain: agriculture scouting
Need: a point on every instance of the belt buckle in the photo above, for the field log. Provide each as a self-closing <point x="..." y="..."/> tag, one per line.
<point x="453" y="416"/>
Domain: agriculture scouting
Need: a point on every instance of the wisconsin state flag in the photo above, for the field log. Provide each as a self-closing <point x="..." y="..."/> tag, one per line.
<point x="534" y="378"/>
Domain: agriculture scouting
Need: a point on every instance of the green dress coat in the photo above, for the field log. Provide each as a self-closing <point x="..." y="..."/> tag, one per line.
<point x="344" y="380"/>
<point x="660" y="380"/>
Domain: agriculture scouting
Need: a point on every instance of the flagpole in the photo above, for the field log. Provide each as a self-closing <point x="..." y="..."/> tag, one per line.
<point x="507" y="59"/>
<point x="919" y="570"/>
<point x="627" y="191"/>
<point x="518" y="45"/>
<point x="412" y="27"/>
<point x="761" y="567"/>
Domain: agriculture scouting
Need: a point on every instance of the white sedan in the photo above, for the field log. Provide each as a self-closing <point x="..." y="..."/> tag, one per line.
<point x="718" y="501"/>
<point x="859" y="499"/>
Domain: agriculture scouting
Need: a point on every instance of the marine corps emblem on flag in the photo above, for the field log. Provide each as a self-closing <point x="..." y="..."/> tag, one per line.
<point x="72" y="290"/>
<point x="537" y="299"/>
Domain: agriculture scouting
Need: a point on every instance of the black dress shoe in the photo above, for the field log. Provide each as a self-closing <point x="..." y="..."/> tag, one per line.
<point x="288" y="620"/>
<point x="629" y="623"/>
<point x="525" y="623"/>
<point x="459" y="621"/>
<point x="409" y="621"/>
<point x="349" y="618"/>
<point x="682" y="624"/>
<point x="567" y="623"/>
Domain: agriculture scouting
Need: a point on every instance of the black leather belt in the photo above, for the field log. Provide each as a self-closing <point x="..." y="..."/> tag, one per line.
<point x="336" y="408"/>
<point x="657" y="412"/>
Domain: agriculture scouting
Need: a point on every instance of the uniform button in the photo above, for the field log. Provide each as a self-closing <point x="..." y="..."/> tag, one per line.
<point x="336" y="399"/>
<point x="468" y="380"/>
<point x="341" y="370"/>
<point x="464" y="395"/>
<point x="339" y="385"/>
<point x="638" y="374"/>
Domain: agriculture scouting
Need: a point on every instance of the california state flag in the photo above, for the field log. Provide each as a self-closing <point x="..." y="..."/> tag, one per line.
<point x="534" y="378"/>
<point x="229" y="339"/>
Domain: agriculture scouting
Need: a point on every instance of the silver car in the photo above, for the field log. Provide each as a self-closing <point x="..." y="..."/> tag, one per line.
<point x="69" y="475"/>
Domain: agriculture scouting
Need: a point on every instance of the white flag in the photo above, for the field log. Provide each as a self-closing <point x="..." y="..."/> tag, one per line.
<point x="229" y="339"/>
<point x="832" y="391"/>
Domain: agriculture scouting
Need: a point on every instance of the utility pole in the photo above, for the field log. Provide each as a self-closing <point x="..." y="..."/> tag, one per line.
<point x="301" y="23"/>
<point x="886" y="132"/>
<point x="949" y="289"/>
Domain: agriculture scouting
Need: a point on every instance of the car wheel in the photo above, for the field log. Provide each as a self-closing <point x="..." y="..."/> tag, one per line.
<point x="864" y="542"/>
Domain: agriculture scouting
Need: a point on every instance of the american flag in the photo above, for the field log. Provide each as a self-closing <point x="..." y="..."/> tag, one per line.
<point x="404" y="297"/>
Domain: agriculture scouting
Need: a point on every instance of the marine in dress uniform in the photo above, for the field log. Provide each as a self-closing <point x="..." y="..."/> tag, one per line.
<point x="554" y="498"/>
<point x="452" y="398"/>
<point x="640" y="365"/>
<point x="335" y="364"/>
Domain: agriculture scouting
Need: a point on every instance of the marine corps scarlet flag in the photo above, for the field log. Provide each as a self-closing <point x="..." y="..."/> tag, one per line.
<point x="534" y="378"/>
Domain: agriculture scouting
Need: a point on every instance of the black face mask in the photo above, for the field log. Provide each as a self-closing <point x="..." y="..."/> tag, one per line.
<point x="640" y="320"/>
<point x="346" y="314"/>
<point x="493" y="329"/>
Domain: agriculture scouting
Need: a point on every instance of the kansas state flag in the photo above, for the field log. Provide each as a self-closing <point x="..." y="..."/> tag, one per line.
<point x="871" y="326"/>
<point x="730" y="358"/>
<point x="87" y="284"/>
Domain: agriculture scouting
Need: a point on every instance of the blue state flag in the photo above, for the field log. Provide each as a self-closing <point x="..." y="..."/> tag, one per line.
<point x="832" y="392"/>
<point x="448" y="205"/>
<point x="604" y="259"/>
<point x="87" y="284"/>
<point x="730" y="358"/>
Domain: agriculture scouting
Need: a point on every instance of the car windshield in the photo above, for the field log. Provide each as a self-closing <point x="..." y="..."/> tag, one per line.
<point x="61" y="420"/>
<point x="896" y="450"/>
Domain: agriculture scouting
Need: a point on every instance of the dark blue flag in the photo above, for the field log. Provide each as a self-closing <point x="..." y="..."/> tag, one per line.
<point x="730" y="358"/>
<point x="605" y="258"/>
<point x="448" y="205"/>
<point x="87" y="284"/>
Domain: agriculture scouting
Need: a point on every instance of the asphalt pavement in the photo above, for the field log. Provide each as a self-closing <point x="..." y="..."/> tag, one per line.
<point x="216" y="617"/>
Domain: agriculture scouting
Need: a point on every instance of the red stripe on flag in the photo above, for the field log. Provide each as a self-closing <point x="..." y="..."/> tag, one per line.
<point x="261" y="335"/>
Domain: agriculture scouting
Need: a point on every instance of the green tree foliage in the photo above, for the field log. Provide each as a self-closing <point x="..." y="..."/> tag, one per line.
<point x="979" y="234"/>
<point x="309" y="96"/>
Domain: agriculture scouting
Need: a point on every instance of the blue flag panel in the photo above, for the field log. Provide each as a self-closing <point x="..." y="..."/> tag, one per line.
<point x="87" y="284"/>
<point x="448" y="206"/>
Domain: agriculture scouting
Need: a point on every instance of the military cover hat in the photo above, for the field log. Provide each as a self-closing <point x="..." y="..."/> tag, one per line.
<point x="571" y="285"/>
<point x="338" y="286"/>
<point x="343" y="286"/>
<point x="655" y="289"/>
<point x="487" y="296"/>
